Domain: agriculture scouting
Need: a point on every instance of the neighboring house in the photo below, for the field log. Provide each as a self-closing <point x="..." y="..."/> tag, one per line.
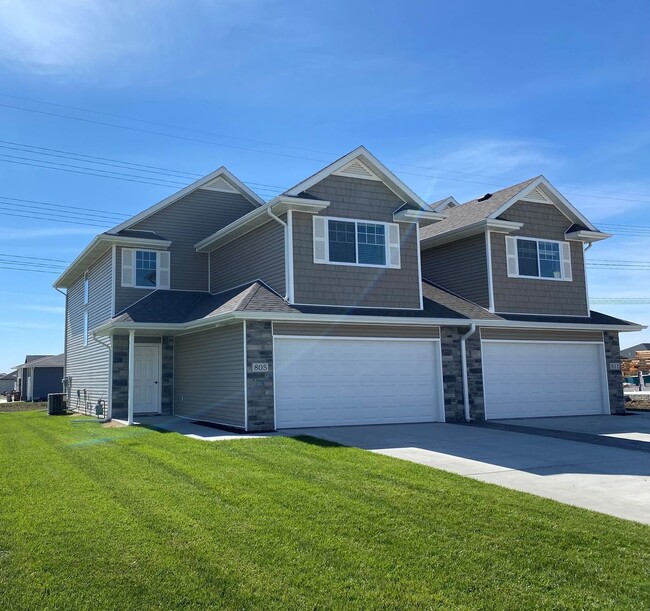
<point x="630" y="353"/>
<point x="39" y="376"/>
<point x="7" y="382"/>
<point x="345" y="300"/>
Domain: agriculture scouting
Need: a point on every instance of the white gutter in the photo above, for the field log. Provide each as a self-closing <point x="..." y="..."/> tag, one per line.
<point x="463" y="359"/>
<point x="196" y="325"/>
<point x="465" y="231"/>
<point x="286" y="250"/>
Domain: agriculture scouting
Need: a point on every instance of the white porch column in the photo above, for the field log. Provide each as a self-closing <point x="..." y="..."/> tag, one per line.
<point x="131" y="376"/>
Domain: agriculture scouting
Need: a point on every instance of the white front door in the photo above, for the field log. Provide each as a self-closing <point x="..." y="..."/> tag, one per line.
<point x="336" y="382"/>
<point x="536" y="379"/>
<point x="146" y="385"/>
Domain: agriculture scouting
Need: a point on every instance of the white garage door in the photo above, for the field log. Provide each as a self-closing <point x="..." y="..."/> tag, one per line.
<point x="334" y="382"/>
<point x="528" y="379"/>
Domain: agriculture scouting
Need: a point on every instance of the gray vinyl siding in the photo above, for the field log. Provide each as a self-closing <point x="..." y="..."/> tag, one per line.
<point x="184" y="223"/>
<point x="351" y="330"/>
<point x="259" y="254"/>
<point x="88" y="365"/>
<point x="342" y="285"/>
<point x="541" y="335"/>
<point x="529" y="295"/>
<point x="47" y="380"/>
<point x="460" y="267"/>
<point x="209" y="376"/>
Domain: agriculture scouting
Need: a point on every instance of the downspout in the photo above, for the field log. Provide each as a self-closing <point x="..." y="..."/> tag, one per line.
<point x="286" y="250"/>
<point x="589" y="245"/>
<point x="463" y="359"/>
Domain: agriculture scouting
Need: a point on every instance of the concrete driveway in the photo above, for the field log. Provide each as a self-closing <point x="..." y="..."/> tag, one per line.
<point x="612" y="480"/>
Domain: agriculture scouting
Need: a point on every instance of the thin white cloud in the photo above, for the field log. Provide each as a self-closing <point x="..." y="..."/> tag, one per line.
<point x="20" y="326"/>
<point x="117" y="41"/>
<point x="45" y="309"/>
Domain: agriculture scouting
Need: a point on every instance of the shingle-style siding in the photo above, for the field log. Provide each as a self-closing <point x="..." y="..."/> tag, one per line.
<point x="351" y="330"/>
<point x="209" y="376"/>
<point x="88" y="365"/>
<point x="184" y="223"/>
<point x="258" y="255"/>
<point x="529" y="295"/>
<point x="343" y="285"/>
<point x="543" y="335"/>
<point x="460" y="267"/>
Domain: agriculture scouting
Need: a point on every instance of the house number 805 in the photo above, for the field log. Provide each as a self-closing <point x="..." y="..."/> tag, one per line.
<point x="260" y="367"/>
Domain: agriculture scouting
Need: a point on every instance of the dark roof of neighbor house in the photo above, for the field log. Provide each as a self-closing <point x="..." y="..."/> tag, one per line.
<point x="185" y="306"/>
<point x="55" y="360"/>
<point x="473" y="211"/>
<point x="8" y="376"/>
<point x="630" y="353"/>
<point x="35" y="357"/>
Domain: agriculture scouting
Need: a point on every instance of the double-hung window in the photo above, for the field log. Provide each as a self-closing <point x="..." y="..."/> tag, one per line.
<point x="146" y="269"/>
<point x="351" y="242"/>
<point x="534" y="258"/>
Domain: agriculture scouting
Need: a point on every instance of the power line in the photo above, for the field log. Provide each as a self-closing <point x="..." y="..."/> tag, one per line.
<point x="260" y="151"/>
<point x="120" y="215"/>
<point x="56" y="220"/>
<point x="2" y="254"/>
<point x="11" y="206"/>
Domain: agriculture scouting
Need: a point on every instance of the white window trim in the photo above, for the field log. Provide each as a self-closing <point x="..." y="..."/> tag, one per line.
<point x="86" y="328"/>
<point x="560" y="242"/>
<point x="386" y="226"/>
<point x="158" y="254"/>
<point x="86" y="288"/>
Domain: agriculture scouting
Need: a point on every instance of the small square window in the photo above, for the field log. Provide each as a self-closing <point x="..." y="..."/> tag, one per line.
<point x="145" y="269"/>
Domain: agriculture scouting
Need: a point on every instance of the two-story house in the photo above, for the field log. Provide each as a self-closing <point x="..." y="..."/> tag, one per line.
<point x="345" y="300"/>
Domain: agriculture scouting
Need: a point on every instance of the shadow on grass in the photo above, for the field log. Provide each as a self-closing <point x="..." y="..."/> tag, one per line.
<point x="317" y="441"/>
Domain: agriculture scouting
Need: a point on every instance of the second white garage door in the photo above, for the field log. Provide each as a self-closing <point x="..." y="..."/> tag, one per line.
<point x="537" y="379"/>
<point x="335" y="382"/>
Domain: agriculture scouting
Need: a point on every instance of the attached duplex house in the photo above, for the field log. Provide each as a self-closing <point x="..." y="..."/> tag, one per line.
<point x="346" y="300"/>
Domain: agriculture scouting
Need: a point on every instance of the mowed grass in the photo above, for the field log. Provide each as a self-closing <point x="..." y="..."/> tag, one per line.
<point x="131" y="518"/>
<point x="22" y="406"/>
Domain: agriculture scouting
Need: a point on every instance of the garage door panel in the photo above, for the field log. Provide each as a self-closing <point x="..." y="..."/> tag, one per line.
<point x="329" y="382"/>
<point x="528" y="379"/>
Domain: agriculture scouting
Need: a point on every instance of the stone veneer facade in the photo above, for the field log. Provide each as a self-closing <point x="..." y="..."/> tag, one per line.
<point x="614" y="376"/>
<point x="452" y="377"/>
<point x="259" y="349"/>
<point x="120" y="366"/>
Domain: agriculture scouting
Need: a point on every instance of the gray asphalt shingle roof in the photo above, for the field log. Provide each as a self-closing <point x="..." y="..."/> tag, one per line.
<point x="473" y="211"/>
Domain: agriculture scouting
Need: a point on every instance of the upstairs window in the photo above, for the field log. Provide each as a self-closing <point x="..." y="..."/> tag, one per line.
<point x="145" y="269"/>
<point x="363" y="243"/>
<point x="533" y="258"/>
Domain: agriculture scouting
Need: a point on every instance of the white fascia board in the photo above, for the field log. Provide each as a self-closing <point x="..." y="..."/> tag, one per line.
<point x="256" y="218"/>
<point x="565" y="206"/>
<point x="494" y="225"/>
<point x="422" y="217"/>
<point x="367" y="158"/>
<point x="251" y="196"/>
<point x="107" y="240"/>
<point x="587" y="236"/>
<point x="174" y="328"/>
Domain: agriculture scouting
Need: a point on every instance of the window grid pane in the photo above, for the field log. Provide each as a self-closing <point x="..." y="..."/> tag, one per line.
<point x="145" y="268"/>
<point x="372" y="243"/>
<point x="342" y="242"/>
<point x="527" y="257"/>
<point x="549" y="260"/>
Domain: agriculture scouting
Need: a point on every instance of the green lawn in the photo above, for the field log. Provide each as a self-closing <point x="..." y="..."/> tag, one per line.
<point x="130" y="518"/>
<point x="22" y="406"/>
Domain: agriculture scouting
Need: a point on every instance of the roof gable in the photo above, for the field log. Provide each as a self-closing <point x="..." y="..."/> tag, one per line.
<point x="219" y="180"/>
<point x="361" y="163"/>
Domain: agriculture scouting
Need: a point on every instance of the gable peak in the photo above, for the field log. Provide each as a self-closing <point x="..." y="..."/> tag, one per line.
<point x="356" y="169"/>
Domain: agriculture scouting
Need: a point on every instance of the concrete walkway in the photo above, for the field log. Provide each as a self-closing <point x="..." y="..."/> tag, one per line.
<point x="610" y="480"/>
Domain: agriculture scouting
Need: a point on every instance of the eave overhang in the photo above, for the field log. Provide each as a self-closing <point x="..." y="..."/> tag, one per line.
<point x="466" y="231"/>
<point x="233" y="317"/>
<point x="422" y="217"/>
<point x="256" y="218"/>
<point x="587" y="236"/>
<point x="99" y="246"/>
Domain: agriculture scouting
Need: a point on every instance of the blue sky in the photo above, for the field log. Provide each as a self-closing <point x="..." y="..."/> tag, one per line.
<point x="458" y="98"/>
